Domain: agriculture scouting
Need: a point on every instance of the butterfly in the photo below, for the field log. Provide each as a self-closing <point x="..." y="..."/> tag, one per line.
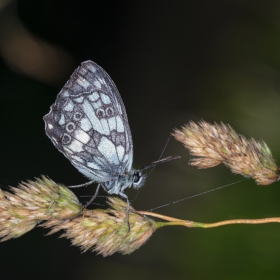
<point x="89" y="125"/>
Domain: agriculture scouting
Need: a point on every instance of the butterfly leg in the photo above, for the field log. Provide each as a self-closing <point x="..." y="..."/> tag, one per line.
<point x="93" y="197"/>
<point x="82" y="185"/>
<point x="127" y="209"/>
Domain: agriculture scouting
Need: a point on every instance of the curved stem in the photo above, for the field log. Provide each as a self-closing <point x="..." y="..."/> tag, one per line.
<point x="243" y="221"/>
<point x="191" y="224"/>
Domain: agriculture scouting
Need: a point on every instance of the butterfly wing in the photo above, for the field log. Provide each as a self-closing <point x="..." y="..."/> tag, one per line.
<point x="88" y="124"/>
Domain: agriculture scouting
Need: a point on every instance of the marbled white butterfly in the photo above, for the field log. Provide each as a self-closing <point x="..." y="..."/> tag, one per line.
<point x="88" y="124"/>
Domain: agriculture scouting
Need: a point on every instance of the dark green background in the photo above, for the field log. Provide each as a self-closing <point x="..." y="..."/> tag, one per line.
<point x="173" y="61"/>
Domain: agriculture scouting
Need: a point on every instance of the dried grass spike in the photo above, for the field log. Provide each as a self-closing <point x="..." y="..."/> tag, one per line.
<point x="32" y="202"/>
<point x="220" y="143"/>
<point x="106" y="231"/>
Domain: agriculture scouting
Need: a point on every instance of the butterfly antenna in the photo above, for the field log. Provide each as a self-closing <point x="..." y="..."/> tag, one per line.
<point x="161" y="153"/>
<point x="155" y="163"/>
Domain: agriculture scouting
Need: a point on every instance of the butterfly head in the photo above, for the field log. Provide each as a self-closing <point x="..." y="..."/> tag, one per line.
<point x="138" y="179"/>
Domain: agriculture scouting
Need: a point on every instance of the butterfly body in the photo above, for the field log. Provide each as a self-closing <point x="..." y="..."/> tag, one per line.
<point x="88" y="124"/>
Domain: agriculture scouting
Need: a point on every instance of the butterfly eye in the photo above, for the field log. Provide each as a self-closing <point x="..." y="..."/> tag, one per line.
<point x="109" y="112"/>
<point x="66" y="139"/>
<point x="138" y="180"/>
<point x="70" y="127"/>
<point x="77" y="116"/>
<point x="100" y="113"/>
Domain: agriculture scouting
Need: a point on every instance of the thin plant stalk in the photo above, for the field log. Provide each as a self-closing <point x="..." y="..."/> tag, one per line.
<point x="191" y="224"/>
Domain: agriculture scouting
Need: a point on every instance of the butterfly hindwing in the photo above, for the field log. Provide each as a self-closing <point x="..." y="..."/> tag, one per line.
<point x="88" y="124"/>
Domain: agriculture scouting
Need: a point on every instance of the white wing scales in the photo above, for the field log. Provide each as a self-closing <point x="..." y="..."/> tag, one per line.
<point x="88" y="124"/>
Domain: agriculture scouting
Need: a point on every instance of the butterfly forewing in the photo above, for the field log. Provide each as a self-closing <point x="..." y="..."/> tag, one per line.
<point x="88" y="124"/>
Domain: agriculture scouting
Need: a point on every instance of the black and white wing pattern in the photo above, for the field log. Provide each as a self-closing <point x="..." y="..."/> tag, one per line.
<point x="88" y="124"/>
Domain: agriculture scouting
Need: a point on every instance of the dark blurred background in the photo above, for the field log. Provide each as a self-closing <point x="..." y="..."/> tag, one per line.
<point x="172" y="61"/>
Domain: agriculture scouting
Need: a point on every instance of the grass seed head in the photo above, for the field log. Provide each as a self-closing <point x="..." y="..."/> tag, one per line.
<point x="220" y="143"/>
